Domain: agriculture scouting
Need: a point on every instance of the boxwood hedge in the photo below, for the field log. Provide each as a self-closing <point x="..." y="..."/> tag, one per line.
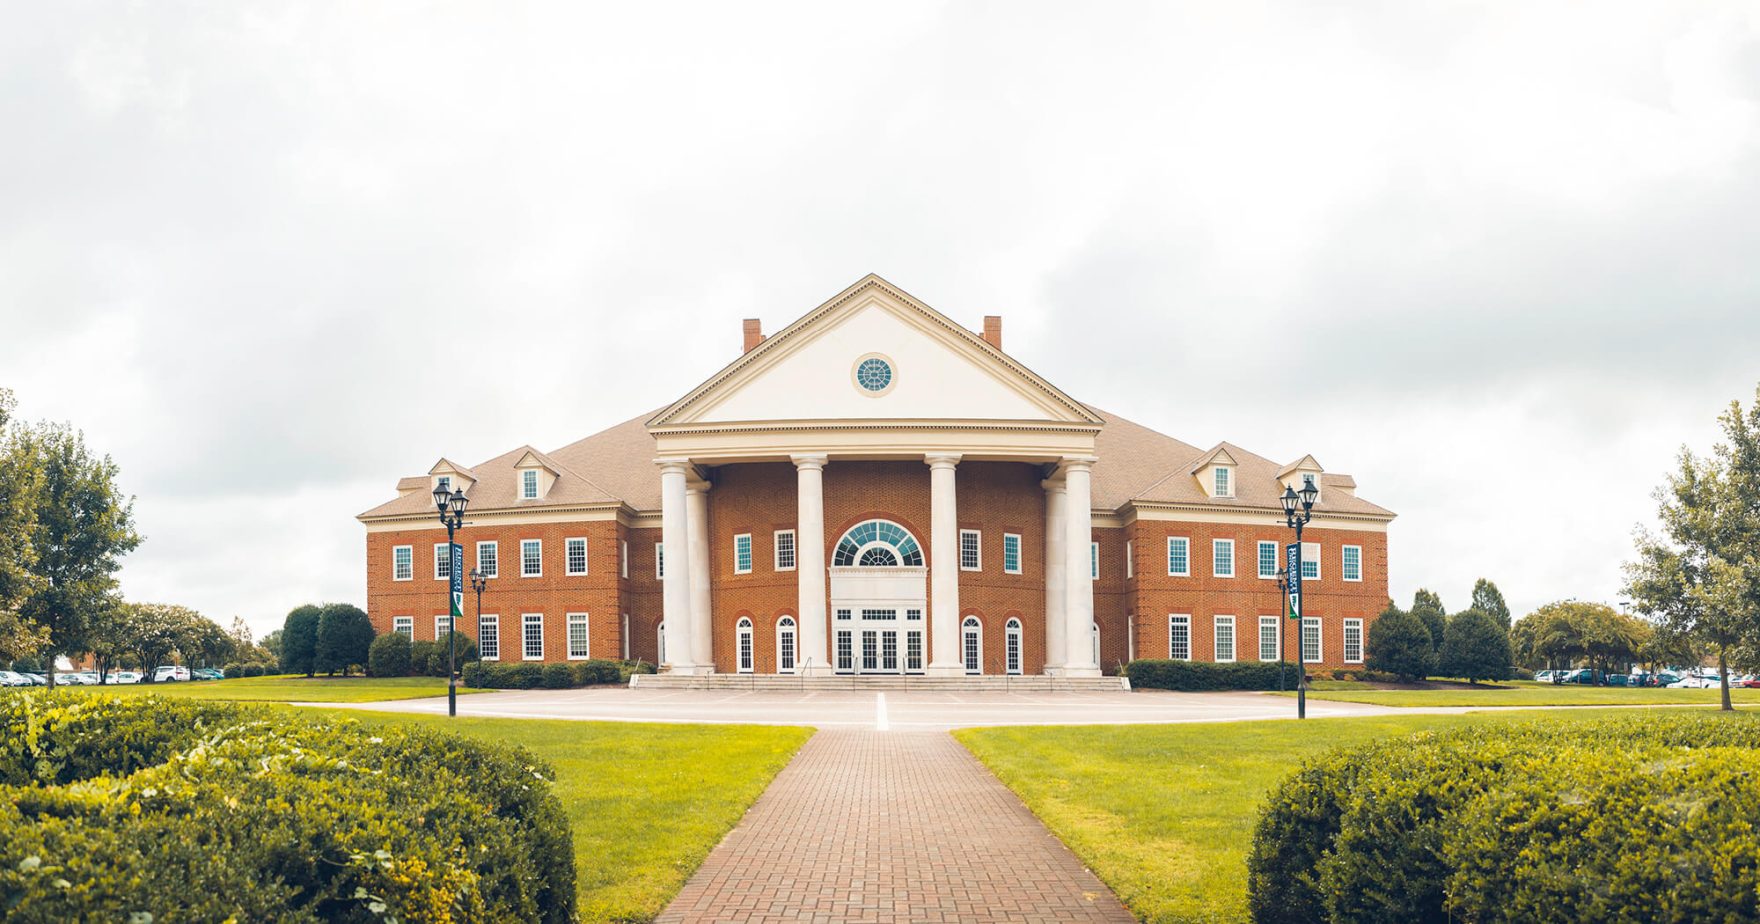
<point x="491" y="675"/>
<point x="1521" y="822"/>
<point x="150" y="809"/>
<point x="1148" y="674"/>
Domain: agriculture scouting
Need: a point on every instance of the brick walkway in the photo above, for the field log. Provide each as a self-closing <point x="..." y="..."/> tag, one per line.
<point x="883" y="826"/>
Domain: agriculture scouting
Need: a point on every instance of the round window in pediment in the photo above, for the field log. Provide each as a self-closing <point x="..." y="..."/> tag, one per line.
<point x="874" y="374"/>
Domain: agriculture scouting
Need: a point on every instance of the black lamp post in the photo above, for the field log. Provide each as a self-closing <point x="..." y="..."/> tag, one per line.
<point x="1295" y="519"/>
<point x="451" y="506"/>
<point x="479" y="584"/>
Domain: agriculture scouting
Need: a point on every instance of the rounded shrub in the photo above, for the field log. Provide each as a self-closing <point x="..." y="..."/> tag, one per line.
<point x="232" y="671"/>
<point x="1474" y="647"/>
<point x="185" y="810"/>
<point x="1400" y="644"/>
<point x="252" y="670"/>
<point x="558" y="677"/>
<point x="421" y="656"/>
<point x="389" y="655"/>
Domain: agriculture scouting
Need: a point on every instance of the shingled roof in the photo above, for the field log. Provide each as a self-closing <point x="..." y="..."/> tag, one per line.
<point x="1136" y="464"/>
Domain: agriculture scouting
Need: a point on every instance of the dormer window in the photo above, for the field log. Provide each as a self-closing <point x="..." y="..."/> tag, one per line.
<point x="1224" y="481"/>
<point x="528" y="484"/>
<point x="445" y="483"/>
<point x="1309" y="479"/>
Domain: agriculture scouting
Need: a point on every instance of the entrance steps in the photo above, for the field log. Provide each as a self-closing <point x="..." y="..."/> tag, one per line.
<point x="986" y="683"/>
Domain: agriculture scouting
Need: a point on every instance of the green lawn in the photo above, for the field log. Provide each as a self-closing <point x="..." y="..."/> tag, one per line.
<point x="1164" y="814"/>
<point x="291" y="689"/>
<point x="1526" y="693"/>
<point x="647" y="802"/>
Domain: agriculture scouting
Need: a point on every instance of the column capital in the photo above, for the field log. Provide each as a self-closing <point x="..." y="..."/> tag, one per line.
<point x="942" y="459"/>
<point x="808" y="460"/>
<point x="1077" y="463"/>
<point x="680" y="466"/>
<point x="1057" y="486"/>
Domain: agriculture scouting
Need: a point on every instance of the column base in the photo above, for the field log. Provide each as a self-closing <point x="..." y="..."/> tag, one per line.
<point x="1053" y="670"/>
<point x="1079" y="672"/>
<point x="947" y="670"/>
<point x="691" y="669"/>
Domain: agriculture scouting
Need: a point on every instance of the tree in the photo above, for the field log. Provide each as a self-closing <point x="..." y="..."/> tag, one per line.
<point x="389" y="655"/>
<point x="345" y="635"/>
<point x="1568" y="632"/>
<point x="271" y="643"/>
<point x="1399" y="643"/>
<point x="84" y="525"/>
<point x="1700" y="577"/>
<point x="20" y="638"/>
<point x="436" y="662"/>
<point x="1428" y="607"/>
<point x="21" y="481"/>
<point x="1475" y="647"/>
<point x="299" y="641"/>
<point x="1488" y="599"/>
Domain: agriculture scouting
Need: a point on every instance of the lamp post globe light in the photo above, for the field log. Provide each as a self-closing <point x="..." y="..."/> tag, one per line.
<point x="451" y="505"/>
<point x="479" y="583"/>
<point x="1298" y="509"/>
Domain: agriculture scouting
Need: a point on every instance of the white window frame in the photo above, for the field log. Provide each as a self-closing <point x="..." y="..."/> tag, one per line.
<point x="1216" y="546"/>
<point x="529" y="484"/>
<point x="1222" y="481"/>
<point x="568" y="556"/>
<point x="776" y="550"/>
<point x="485" y="621"/>
<point x="1259" y="559"/>
<point x="1319" y="640"/>
<point x="526" y="622"/>
<point x="1344" y="564"/>
<point x="1187" y="544"/>
<point x="406" y="625"/>
<point x="1013" y="647"/>
<point x="536" y="544"/>
<point x="970" y="625"/>
<point x="623" y="558"/>
<point x="494" y="562"/>
<point x="1094" y="561"/>
<point x="1181" y="621"/>
<point x="585" y="622"/>
<point x="659" y="561"/>
<point x="975" y="548"/>
<point x="1276" y="624"/>
<point x="1130" y="567"/>
<point x="746" y="539"/>
<point x="438" y="619"/>
<point x="1011" y="540"/>
<point x="442" y="549"/>
<point x="1350" y="624"/>
<point x="1311" y="553"/>
<point x="745" y="646"/>
<point x="409" y="569"/>
<point x="1216" y="625"/>
<point x="789" y="627"/>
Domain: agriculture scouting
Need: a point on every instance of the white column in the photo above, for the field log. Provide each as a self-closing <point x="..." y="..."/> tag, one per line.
<point x="676" y="588"/>
<point x="943" y="567"/>
<point x="1078" y="607"/>
<point x="809" y="564"/>
<point x="696" y="507"/>
<point x="1056" y="635"/>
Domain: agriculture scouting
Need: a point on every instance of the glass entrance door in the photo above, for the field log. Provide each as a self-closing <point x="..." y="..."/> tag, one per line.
<point x="878" y="640"/>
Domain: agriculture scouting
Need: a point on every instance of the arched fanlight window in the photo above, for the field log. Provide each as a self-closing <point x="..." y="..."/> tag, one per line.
<point x="877" y="544"/>
<point x="785" y="641"/>
<point x="745" y="646"/>
<point x="1012" y="656"/>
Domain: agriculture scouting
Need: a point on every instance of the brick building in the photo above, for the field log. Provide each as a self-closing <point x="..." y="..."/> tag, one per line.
<point x="876" y="489"/>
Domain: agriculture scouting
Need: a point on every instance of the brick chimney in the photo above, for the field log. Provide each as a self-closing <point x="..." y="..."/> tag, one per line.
<point x="754" y="332"/>
<point x="993" y="330"/>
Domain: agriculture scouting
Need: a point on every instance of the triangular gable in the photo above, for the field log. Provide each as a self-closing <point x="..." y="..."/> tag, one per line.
<point x="939" y="370"/>
<point x="1304" y="464"/>
<point x="448" y="467"/>
<point x="531" y="459"/>
<point x="1217" y="456"/>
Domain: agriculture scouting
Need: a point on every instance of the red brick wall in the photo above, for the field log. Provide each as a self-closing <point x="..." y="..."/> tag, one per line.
<point x="1246" y="596"/>
<point x="996" y="498"/>
<point x="758" y="499"/>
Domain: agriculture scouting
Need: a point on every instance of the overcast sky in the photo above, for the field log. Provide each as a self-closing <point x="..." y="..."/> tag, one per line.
<point x="1498" y="262"/>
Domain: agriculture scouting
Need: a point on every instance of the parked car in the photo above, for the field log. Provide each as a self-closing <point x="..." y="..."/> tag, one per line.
<point x="1546" y="676"/>
<point x="1750" y="681"/>
<point x="170" y="672"/>
<point x="10" y="679"/>
<point x="206" y="673"/>
<point x="1694" y="682"/>
<point x="123" y="677"/>
<point x="1619" y="680"/>
<point x="68" y="678"/>
<point x="1587" y="675"/>
<point x="37" y="679"/>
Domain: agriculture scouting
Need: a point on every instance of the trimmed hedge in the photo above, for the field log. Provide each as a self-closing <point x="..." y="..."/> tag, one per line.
<point x="389" y="655"/>
<point x="120" y="808"/>
<point x="492" y="675"/>
<point x="1190" y="676"/>
<point x="1428" y="827"/>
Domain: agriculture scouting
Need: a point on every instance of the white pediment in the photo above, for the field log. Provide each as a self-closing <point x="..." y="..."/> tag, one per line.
<point x="932" y="369"/>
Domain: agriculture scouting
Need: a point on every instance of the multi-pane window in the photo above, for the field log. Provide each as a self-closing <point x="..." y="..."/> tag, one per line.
<point x="489" y="559"/>
<point x="659" y="561"/>
<point x="785" y="550"/>
<point x="623" y="558"/>
<point x="1222" y="557"/>
<point x="442" y="625"/>
<point x="532" y="636"/>
<point x="404" y="624"/>
<point x="1012" y="652"/>
<point x="575" y="555"/>
<point x="1353" y="563"/>
<point x="528" y="484"/>
<point x="1222" y="486"/>
<point x="1353" y="641"/>
<point x="1270" y="647"/>
<point x="1179" y="556"/>
<point x="785" y="645"/>
<point x="1179" y="638"/>
<point x="742" y="553"/>
<point x="1225" y="638"/>
<point x="1268" y="559"/>
<point x="489" y="637"/>
<point x="577" y="636"/>
<point x="442" y="561"/>
<point x="1311" y="639"/>
<point x="970" y="550"/>
<point x="1094" y="560"/>
<point x="403" y="563"/>
<point x="1310" y="561"/>
<point x="744" y="633"/>
<point x="1011" y="553"/>
<point x="531" y="557"/>
<point x="1130" y="567"/>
